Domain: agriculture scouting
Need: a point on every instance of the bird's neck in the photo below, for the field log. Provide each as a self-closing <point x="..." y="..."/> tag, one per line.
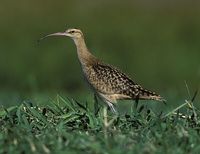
<point x="85" y="57"/>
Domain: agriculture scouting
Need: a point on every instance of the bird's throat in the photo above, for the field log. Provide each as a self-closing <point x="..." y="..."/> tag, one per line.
<point x="85" y="57"/>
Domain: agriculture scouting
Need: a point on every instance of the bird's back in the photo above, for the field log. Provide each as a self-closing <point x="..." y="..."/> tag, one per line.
<point x="112" y="83"/>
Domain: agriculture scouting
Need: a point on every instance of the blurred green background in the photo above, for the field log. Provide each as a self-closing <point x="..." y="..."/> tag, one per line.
<point x="156" y="42"/>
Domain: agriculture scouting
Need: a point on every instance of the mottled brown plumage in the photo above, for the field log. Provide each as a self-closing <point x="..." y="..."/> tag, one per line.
<point x="108" y="82"/>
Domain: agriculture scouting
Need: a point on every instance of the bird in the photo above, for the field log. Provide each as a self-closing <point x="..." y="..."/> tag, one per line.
<point x="109" y="83"/>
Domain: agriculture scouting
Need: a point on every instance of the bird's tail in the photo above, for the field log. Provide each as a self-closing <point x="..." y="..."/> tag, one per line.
<point x="148" y="95"/>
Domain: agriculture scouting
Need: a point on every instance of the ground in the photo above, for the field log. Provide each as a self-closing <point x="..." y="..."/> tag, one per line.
<point x="66" y="125"/>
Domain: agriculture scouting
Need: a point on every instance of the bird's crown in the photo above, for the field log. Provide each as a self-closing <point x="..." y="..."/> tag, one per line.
<point x="73" y="32"/>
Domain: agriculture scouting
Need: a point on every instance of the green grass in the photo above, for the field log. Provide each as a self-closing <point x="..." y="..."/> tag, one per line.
<point x="67" y="126"/>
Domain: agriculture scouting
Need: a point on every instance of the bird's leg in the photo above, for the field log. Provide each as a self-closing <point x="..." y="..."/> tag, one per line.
<point x="111" y="106"/>
<point x="96" y="104"/>
<point x="136" y="101"/>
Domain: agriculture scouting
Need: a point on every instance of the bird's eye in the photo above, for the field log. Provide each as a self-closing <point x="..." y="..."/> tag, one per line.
<point x="72" y="31"/>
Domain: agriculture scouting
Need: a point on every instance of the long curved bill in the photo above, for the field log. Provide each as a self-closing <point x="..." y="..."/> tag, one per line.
<point x="54" y="34"/>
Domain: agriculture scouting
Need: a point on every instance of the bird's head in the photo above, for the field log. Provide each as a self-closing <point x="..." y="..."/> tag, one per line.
<point x="72" y="33"/>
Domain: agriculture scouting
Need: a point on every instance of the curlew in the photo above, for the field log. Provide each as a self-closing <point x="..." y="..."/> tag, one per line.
<point x="109" y="83"/>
